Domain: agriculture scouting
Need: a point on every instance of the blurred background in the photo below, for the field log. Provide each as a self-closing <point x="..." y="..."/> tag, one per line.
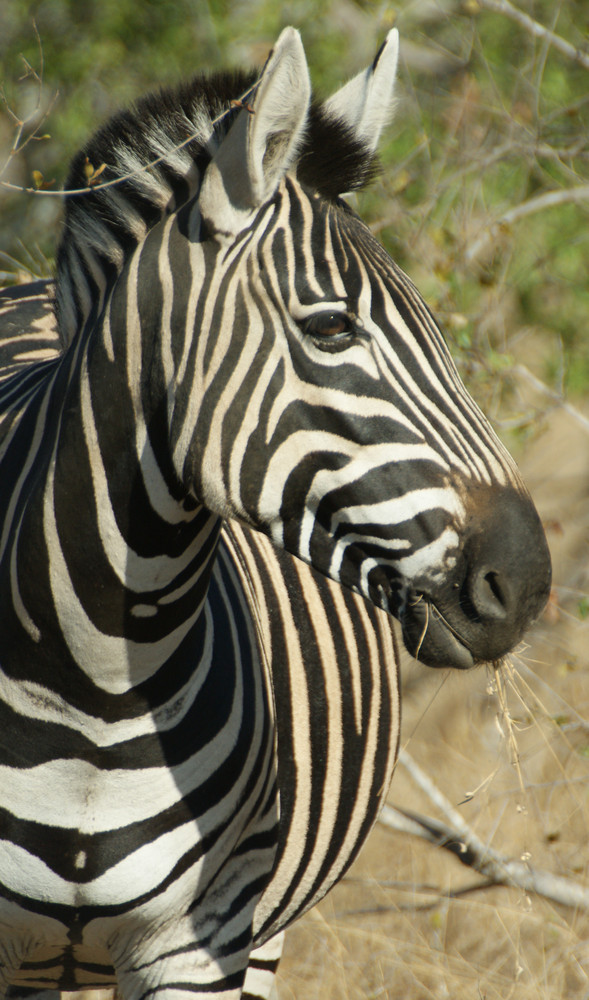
<point x="483" y="199"/>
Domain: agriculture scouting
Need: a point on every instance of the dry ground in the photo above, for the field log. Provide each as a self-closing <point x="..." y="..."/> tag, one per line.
<point x="408" y="923"/>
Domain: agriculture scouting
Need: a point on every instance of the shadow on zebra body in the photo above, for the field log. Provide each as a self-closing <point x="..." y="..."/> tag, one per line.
<point x="241" y="446"/>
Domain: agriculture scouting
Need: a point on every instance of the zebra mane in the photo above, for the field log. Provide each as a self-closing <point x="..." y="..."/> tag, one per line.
<point x="103" y="225"/>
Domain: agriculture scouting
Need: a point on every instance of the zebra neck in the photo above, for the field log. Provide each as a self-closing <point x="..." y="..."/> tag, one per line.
<point x="128" y="559"/>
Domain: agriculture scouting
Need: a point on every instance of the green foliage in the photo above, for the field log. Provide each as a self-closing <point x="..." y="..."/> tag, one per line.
<point x="481" y="141"/>
<point x="489" y="118"/>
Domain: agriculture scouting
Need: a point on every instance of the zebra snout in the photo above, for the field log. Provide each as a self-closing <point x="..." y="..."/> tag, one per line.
<point x="507" y="573"/>
<point x="487" y="595"/>
<point x="499" y="586"/>
<point x="508" y="569"/>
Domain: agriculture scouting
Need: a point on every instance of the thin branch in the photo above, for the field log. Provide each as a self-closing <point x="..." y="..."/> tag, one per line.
<point x="572" y="411"/>
<point x="549" y="199"/>
<point x="241" y="101"/>
<point x="456" y="836"/>
<point x="423" y="781"/>
<point x="440" y="895"/>
<point x="21" y="124"/>
<point x="497" y="869"/>
<point x="536" y="29"/>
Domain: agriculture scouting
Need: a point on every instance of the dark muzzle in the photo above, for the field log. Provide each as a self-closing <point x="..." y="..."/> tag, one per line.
<point x="498" y="587"/>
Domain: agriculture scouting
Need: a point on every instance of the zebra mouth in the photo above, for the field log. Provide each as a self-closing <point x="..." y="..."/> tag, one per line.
<point x="430" y="638"/>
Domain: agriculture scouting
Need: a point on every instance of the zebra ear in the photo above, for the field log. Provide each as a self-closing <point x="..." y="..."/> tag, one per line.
<point x="262" y="143"/>
<point x="366" y="103"/>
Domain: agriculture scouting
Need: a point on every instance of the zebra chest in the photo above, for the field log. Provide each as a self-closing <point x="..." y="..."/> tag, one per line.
<point x="127" y="826"/>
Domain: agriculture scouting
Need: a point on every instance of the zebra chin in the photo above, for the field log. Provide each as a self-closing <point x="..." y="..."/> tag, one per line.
<point x="460" y="637"/>
<point x="430" y="639"/>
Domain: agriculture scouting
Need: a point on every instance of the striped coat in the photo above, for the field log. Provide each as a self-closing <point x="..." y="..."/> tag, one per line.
<point x="249" y="449"/>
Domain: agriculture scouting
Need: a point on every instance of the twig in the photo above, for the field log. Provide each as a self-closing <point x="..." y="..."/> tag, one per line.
<point x="536" y="29"/>
<point x="21" y="124"/>
<point x="239" y="102"/>
<point x="497" y="869"/>
<point x="457" y="837"/>
<point x="572" y="411"/>
<point x="547" y="200"/>
<point x="440" y="895"/>
<point x="423" y="781"/>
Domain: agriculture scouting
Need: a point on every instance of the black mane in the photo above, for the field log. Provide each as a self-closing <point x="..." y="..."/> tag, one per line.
<point x="332" y="160"/>
<point x="179" y="128"/>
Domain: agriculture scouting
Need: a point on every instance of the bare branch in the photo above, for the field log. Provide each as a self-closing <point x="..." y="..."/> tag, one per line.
<point x="573" y="412"/>
<point x="41" y="188"/>
<point x="456" y="836"/>
<point x="497" y="869"/>
<point x="536" y="29"/>
<point x="91" y="186"/>
<point x="423" y="781"/>
<point x="549" y="199"/>
<point x="21" y="124"/>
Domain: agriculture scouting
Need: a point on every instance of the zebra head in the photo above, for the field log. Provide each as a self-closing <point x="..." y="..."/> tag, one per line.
<point x="332" y="417"/>
<point x="307" y="389"/>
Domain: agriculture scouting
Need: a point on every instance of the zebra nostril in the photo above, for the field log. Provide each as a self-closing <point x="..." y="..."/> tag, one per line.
<point x="489" y="594"/>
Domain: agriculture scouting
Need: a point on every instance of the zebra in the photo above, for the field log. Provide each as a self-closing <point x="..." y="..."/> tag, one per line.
<point x="245" y="447"/>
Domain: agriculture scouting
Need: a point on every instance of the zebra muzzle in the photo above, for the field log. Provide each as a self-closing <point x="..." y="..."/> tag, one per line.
<point x="430" y="638"/>
<point x="499" y="586"/>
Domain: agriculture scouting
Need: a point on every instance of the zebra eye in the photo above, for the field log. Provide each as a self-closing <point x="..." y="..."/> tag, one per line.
<point x="330" y="325"/>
